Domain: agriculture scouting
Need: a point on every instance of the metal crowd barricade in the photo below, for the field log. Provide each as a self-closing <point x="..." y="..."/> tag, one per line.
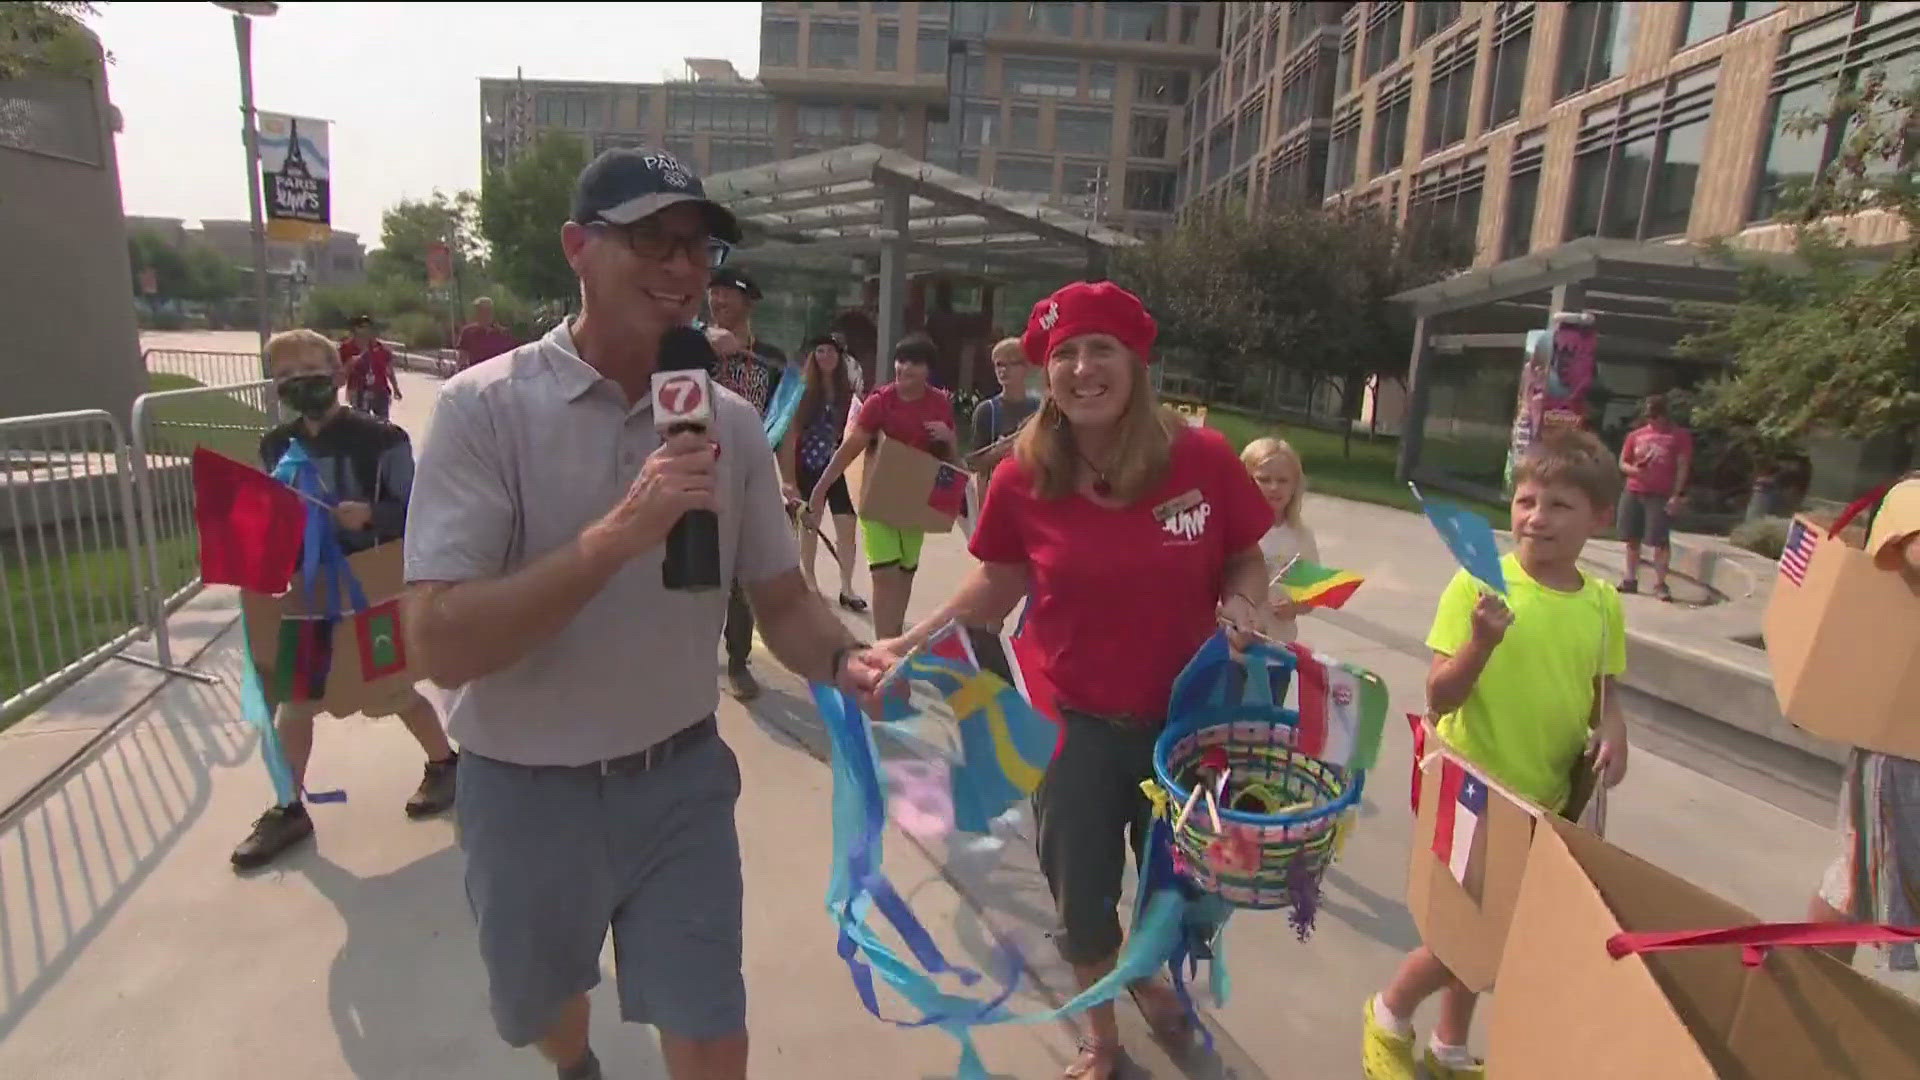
<point x="166" y="427"/>
<point x="71" y="580"/>
<point x="204" y="367"/>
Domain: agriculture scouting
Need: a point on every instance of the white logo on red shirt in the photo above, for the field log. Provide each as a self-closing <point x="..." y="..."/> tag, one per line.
<point x="1188" y="525"/>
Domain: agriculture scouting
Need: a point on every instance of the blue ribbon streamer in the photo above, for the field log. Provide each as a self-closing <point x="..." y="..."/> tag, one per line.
<point x="785" y="403"/>
<point x="1167" y="919"/>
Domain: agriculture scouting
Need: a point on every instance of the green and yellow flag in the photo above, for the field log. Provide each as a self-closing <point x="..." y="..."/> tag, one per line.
<point x="1314" y="585"/>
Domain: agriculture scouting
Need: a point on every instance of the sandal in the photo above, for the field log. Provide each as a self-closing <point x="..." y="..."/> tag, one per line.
<point x="1098" y="1061"/>
<point x="1165" y="1016"/>
<point x="1629" y="586"/>
<point x="852" y="603"/>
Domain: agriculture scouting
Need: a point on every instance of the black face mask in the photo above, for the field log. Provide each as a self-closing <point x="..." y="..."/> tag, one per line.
<point x="309" y="395"/>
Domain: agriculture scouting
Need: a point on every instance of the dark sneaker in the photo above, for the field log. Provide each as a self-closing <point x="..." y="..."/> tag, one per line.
<point x="277" y="830"/>
<point x="588" y="1068"/>
<point x="435" y="793"/>
<point x="740" y="681"/>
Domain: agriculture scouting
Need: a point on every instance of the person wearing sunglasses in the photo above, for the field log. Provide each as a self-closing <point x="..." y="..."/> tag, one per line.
<point x="583" y="691"/>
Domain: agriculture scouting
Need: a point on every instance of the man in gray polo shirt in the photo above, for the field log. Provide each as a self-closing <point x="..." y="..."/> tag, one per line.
<point x="595" y="790"/>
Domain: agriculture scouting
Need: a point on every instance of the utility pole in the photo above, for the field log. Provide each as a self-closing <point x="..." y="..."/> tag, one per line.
<point x="250" y="130"/>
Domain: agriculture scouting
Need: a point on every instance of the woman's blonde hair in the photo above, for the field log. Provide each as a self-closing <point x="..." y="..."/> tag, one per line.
<point x="1142" y="448"/>
<point x="1266" y="451"/>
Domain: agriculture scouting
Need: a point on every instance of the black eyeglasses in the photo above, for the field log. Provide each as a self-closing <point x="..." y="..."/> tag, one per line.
<point x="656" y="246"/>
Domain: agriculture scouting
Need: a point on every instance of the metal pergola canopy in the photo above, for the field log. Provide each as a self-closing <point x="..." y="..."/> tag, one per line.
<point x="822" y="211"/>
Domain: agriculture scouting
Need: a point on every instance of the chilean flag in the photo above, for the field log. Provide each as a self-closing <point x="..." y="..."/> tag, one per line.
<point x="1463" y="804"/>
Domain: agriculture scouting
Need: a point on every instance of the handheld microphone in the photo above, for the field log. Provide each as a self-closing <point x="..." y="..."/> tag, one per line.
<point x="683" y="401"/>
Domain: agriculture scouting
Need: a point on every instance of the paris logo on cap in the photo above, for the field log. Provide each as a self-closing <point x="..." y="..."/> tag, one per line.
<point x="672" y="173"/>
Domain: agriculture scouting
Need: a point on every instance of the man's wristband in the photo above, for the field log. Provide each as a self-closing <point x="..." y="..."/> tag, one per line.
<point x="839" y="659"/>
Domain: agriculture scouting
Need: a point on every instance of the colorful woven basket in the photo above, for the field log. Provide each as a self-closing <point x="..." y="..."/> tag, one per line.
<point x="1281" y="822"/>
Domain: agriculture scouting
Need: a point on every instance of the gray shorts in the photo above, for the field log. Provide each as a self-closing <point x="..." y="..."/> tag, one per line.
<point x="1644" y="519"/>
<point x="1089" y="814"/>
<point x="558" y="855"/>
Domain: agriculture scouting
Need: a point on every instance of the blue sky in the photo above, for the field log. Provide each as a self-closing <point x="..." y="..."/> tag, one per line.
<point x="398" y="80"/>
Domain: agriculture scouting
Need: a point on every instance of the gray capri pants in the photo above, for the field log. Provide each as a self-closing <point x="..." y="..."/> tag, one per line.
<point x="558" y="854"/>
<point x="1644" y="519"/>
<point x="1088" y="811"/>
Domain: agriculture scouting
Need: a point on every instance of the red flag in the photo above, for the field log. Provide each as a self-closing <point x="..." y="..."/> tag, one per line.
<point x="250" y="524"/>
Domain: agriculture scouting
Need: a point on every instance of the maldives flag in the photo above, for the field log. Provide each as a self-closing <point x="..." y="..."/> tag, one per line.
<point x="1343" y="710"/>
<point x="1456" y="825"/>
<point x="250" y="524"/>
<point x="1314" y="585"/>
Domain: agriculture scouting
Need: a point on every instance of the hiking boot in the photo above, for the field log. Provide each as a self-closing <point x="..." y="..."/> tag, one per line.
<point x="740" y="681"/>
<point x="435" y="792"/>
<point x="274" y="832"/>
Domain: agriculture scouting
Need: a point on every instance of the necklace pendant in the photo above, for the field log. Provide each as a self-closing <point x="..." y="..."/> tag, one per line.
<point x="1102" y="488"/>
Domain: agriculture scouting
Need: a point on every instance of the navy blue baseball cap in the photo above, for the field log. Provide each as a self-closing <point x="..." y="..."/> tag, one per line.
<point x="625" y="185"/>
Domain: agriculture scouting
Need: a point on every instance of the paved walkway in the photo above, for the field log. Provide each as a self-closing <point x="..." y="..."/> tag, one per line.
<point x="128" y="948"/>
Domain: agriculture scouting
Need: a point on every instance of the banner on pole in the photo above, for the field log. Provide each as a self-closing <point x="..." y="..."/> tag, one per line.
<point x="295" y="176"/>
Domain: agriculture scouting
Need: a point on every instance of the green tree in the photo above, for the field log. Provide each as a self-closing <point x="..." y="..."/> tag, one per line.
<point x="47" y="37"/>
<point x="195" y="274"/>
<point x="410" y="227"/>
<point x="522" y="206"/>
<point x="1833" y="347"/>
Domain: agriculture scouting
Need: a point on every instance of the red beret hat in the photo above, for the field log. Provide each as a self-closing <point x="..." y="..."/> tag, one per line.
<point x="1089" y="307"/>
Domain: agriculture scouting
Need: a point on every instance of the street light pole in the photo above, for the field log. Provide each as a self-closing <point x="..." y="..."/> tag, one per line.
<point x="250" y="130"/>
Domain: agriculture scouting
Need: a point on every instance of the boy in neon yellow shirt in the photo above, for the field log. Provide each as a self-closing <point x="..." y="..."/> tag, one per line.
<point x="1521" y="688"/>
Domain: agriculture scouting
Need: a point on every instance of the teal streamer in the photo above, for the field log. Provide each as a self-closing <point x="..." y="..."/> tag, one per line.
<point x="785" y="403"/>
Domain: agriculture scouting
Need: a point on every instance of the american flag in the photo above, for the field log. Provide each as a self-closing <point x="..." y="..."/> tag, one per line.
<point x="1798" y="552"/>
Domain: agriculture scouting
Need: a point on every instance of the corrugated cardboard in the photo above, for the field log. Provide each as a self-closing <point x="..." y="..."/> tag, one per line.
<point x="1844" y="647"/>
<point x="911" y="489"/>
<point x="348" y="690"/>
<point x="1566" y="1009"/>
<point x="1466" y="926"/>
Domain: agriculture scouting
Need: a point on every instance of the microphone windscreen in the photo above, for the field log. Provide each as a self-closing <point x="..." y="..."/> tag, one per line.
<point x="685" y="349"/>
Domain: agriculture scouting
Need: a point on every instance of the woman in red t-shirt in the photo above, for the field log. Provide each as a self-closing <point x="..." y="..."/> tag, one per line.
<point x="1132" y="535"/>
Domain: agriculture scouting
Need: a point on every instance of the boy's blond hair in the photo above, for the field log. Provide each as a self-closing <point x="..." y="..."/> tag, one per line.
<point x="1573" y="457"/>
<point x="1008" y="349"/>
<point x="1269" y="449"/>
<point x="290" y="343"/>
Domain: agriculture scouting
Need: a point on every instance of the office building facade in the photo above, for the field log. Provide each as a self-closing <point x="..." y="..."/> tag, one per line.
<point x="1527" y="125"/>
<point x="1080" y="105"/>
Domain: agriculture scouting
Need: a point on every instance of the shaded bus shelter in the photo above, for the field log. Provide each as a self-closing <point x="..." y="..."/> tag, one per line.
<point x="862" y="211"/>
<point x="1470" y="336"/>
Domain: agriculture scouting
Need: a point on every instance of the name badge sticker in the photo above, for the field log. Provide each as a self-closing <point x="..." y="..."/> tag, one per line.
<point x="1166" y="511"/>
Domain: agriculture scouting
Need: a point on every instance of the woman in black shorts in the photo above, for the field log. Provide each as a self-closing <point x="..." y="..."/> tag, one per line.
<point x="811" y="440"/>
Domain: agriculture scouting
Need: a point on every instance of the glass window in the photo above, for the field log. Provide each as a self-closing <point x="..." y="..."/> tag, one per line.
<point x="931" y="47"/>
<point x="1447" y="98"/>
<point x="1589" y="189"/>
<point x="1159" y="86"/>
<point x="1136" y="22"/>
<point x="1509" y="66"/>
<point x="1343" y="69"/>
<point x="1711" y="19"/>
<point x="1190" y="24"/>
<point x="1252" y="124"/>
<point x="1383" y="37"/>
<point x="779" y="44"/>
<point x="1670" y="205"/>
<point x="971" y="18"/>
<point x="1033" y="77"/>
<point x="1593" y="46"/>
<point x="1081" y="184"/>
<point x="866" y="122"/>
<point x="834" y="45"/>
<point x="1023" y="174"/>
<point x="1627" y="189"/>
<point x="1023" y="126"/>
<point x="977" y="127"/>
<point x="1100" y="81"/>
<point x="1149" y="189"/>
<point x="973" y="74"/>
<point x="1053" y="18"/>
<point x="1390" y="134"/>
<point x="1343" y="154"/>
<point x="1430" y="16"/>
<point x="1147" y="136"/>
<point x="1523" y="199"/>
<point x="819" y="119"/>
<point x="1219" y="152"/>
<point x="1841" y="51"/>
<point x="886" y="48"/>
<point x="1080" y="132"/>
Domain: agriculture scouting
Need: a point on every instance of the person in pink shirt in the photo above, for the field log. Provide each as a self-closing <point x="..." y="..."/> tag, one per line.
<point x="483" y="339"/>
<point x="1658" y="460"/>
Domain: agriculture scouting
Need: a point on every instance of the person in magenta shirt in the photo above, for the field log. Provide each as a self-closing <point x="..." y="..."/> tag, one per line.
<point x="1133" y="536"/>
<point x="1658" y="460"/>
<point x="483" y="339"/>
<point x="910" y="409"/>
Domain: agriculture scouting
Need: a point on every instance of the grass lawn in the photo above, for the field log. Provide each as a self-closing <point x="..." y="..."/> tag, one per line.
<point x="1366" y="476"/>
<point x="62" y="601"/>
